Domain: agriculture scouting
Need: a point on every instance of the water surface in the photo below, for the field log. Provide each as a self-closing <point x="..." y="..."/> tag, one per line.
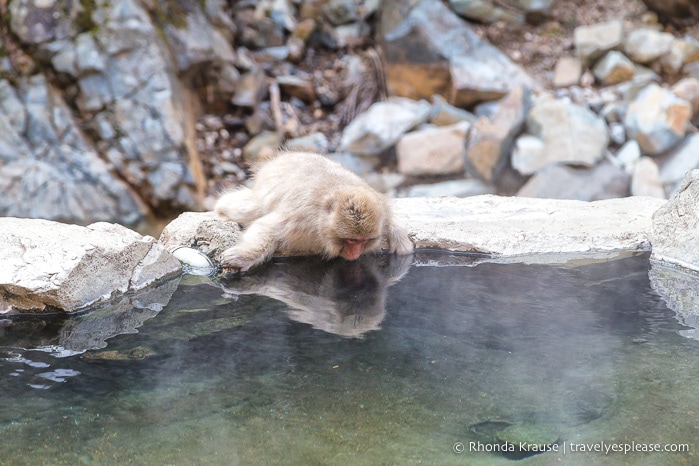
<point x="381" y="361"/>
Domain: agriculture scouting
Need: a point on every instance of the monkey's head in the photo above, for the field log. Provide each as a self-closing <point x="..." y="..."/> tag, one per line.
<point x="356" y="219"/>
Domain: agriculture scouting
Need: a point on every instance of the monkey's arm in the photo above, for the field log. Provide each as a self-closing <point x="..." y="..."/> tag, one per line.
<point x="398" y="241"/>
<point x="258" y="243"/>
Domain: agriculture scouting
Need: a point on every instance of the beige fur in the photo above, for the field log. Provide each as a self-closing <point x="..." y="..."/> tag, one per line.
<point x="306" y="204"/>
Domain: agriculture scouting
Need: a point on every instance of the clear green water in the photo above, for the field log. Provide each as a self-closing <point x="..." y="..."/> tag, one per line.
<point x="575" y="354"/>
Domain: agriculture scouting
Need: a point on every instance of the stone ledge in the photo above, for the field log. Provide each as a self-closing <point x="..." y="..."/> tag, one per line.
<point x="516" y="226"/>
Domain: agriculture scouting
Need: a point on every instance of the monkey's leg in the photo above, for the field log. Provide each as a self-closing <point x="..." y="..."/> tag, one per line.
<point x="240" y="205"/>
<point x="258" y="243"/>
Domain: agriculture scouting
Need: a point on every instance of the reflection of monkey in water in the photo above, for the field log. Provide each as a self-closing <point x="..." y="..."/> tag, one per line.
<point x="306" y="204"/>
<point x="344" y="298"/>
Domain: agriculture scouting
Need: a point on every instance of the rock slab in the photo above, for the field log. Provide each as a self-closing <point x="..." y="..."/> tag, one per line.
<point x="55" y="267"/>
<point x="510" y="226"/>
<point x="507" y="228"/>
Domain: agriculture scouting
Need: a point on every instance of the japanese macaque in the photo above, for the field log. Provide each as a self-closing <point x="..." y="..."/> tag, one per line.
<point x="305" y="204"/>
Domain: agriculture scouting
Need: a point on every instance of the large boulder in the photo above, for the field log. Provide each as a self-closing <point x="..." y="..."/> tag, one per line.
<point x="429" y="50"/>
<point x="127" y="70"/>
<point x="676" y="226"/>
<point x="55" y="267"/>
<point x="48" y="168"/>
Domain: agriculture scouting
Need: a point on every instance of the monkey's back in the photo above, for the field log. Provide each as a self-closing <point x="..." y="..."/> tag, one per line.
<point x="296" y="180"/>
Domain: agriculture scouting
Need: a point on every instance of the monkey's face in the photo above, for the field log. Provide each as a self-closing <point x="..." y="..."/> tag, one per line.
<point x="352" y="248"/>
<point x="357" y="222"/>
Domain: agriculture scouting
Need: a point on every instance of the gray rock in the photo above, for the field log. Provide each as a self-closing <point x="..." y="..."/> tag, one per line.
<point x="645" y="45"/>
<point x="515" y="228"/>
<point x="569" y="133"/>
<point x="617" y="133"/>
<point x="340" y="11"/>
<point x="613" y="68"/>
<point x="603" y="181"/>
<point x="593" y="41"/>
<point x="678" y="162"/>
<point x="12" y="108"/>
<point x="138" y="92"/>
<point x="675" y="226"/>
<point x="384" y="182"/>
<point x="445" y="114"/>
<point x="688" y="89"/>
<point x="88" y="57"/>
<point x="47" y="167"/>
<point x="645" y="179"/>
<point x="380" y="127"/>
<point x="313" y="142"/>
<point x="195" y="43"/>
<point x="353" y="34"/>
<point x="485" y="11"/>
<point x="251" y="88"/>
<point x="281" y="12"/>
<point x="657" y="119"/>
<point x="613" y="112"/>
<point x="429" y="50"/>
<point x="298" y="87"/>
<point x="49" y="266"/>
<point x="682" y="51"/>
<point x="491" y="138"/>
<point x="203" y="231"/>
<point x="629" y="154"/>
<point x="455" y="188"/>
<point x="36" y="22"/>
<point x="567" y="72"/>
<point x="261" y="144"/>
<point x="433" y="151"/>
<point x="361" y="165"/>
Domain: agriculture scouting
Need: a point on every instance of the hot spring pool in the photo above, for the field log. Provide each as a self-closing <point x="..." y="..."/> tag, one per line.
<point x="442" y="361"/>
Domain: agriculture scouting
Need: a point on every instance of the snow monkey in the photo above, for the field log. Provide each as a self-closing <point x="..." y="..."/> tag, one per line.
<point x="305" y="204"/>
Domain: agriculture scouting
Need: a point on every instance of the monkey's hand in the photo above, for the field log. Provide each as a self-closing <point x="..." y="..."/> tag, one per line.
<point x="399" y="242"/>
<point x="237" y="259"/>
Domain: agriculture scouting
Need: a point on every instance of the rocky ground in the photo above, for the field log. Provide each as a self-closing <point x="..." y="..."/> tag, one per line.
<point x="536" y="46"/>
